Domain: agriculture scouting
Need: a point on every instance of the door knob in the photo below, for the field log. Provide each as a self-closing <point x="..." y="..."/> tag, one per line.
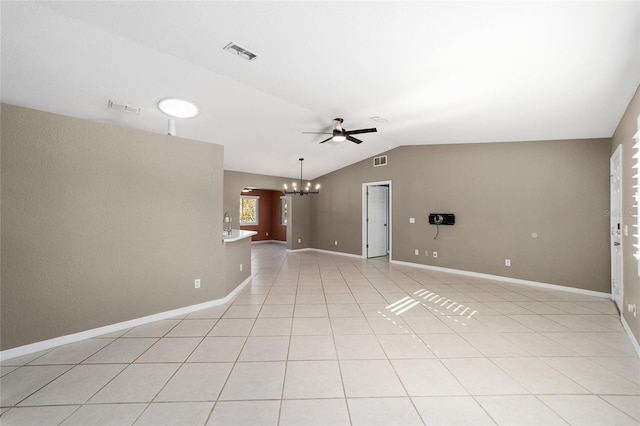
<point x="615" y="243"/>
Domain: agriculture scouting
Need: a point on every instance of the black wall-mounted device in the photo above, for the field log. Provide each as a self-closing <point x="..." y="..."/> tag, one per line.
<point x="442" y="218"/>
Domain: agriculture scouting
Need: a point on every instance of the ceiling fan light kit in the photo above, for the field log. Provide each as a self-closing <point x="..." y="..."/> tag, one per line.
<point x="306" y="190"/>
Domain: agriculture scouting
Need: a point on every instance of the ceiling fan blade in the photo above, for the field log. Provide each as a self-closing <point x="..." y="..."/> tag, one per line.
<point x="354" y="140"/>
<point x="355" y="132"/>
<point x="317" y="133"/>
<point x="327" y="140"/>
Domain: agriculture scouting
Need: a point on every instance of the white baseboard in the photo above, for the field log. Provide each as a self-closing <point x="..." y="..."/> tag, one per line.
<point x="268" y="241"/>
<point x="505" y="279"/>
<point x="634" y="341"/>
<point x="298" y="250"/>
<point x="338" y="253"/>
<point x="95" y="332"/>
<point x="472" y="274"/>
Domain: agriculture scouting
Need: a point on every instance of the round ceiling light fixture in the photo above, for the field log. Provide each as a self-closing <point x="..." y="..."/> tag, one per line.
<point x="179" y="108"/>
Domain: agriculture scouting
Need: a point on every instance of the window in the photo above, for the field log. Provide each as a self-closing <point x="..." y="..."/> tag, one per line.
<point x="284" y="211"/>
<point x="249" y="210"/>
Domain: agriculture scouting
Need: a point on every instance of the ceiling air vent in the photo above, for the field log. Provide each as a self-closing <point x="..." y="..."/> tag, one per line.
<point x="380" y="161"/>
<point x="379" y="119"/>
<point x="240" y="51"/>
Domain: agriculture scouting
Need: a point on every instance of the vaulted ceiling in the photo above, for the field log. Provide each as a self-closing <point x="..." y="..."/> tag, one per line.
<point x="438" y="72"/>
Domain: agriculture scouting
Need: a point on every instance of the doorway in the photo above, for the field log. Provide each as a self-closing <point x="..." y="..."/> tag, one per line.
<point x="376" y="219"/>
<point x="264" y="211"/>
<point x="615" y="223"/>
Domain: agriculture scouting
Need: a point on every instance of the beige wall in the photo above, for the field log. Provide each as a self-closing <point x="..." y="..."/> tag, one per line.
<point x="235" y="254"/>
<point x="299" y="219"/>
<point x="501" y="193"/>
<point x="631" y="282"/>
<point x="102" y="224"/>
<point x="299" y="229"/>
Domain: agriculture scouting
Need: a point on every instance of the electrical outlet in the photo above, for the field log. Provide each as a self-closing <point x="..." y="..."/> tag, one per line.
<point x="299" y="240"/>
<point x="241" y="267"/>
<point x="267" y="234"/>
<point x="335" y="243"/>
<point x="197" y="283"/>
<point x="417" y="252"/>
<point x="435" y="254"/>
<point x="507" y="262"/>
<point x="412" y="220"/>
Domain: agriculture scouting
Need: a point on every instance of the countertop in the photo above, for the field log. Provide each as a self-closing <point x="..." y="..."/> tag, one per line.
<point x="236" y="235"/>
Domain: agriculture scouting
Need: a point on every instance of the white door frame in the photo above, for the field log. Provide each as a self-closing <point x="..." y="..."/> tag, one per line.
<point x="615" y="227"/>
<point x="364" y="215"/>
<point x="377" y="221"/>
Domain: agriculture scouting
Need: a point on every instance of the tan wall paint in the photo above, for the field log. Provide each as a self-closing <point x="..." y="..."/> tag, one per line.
<point x="103" y="224"/>
<point x="237" y="253"/>
<point x="631" y="282"/>
<point x="501" y="193"/>
<point x="299" y="229"/>
<point x="299" y="219"/>
<point x="65" y="179"/>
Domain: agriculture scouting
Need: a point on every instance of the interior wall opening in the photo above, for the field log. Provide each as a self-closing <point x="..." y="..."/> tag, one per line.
<point x="266" y="212"/>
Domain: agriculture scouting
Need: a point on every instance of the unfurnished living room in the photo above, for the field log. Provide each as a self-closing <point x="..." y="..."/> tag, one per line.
<point x="320" y="213"/>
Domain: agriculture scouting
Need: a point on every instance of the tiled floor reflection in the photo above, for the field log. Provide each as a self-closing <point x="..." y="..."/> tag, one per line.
<point x="320" y="339"/>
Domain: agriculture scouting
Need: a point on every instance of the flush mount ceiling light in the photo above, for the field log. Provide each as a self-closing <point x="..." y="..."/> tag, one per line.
<point x="179" y="108"/>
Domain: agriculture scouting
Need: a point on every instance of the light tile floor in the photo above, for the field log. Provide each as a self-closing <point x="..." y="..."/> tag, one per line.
<point x="320" y="339"/>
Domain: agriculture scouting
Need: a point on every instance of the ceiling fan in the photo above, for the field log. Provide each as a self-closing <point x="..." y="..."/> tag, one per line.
<point x="339" y="134"/>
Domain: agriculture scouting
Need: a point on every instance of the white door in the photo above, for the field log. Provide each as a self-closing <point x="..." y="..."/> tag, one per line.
<point x="377" y="220"/>
<point x="616" y="226"/>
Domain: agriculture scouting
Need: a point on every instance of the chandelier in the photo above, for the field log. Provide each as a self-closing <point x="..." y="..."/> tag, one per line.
<point x="302" y="191"/>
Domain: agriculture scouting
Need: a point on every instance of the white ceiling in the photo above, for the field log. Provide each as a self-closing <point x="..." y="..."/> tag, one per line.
<point x="439" y="72"/>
